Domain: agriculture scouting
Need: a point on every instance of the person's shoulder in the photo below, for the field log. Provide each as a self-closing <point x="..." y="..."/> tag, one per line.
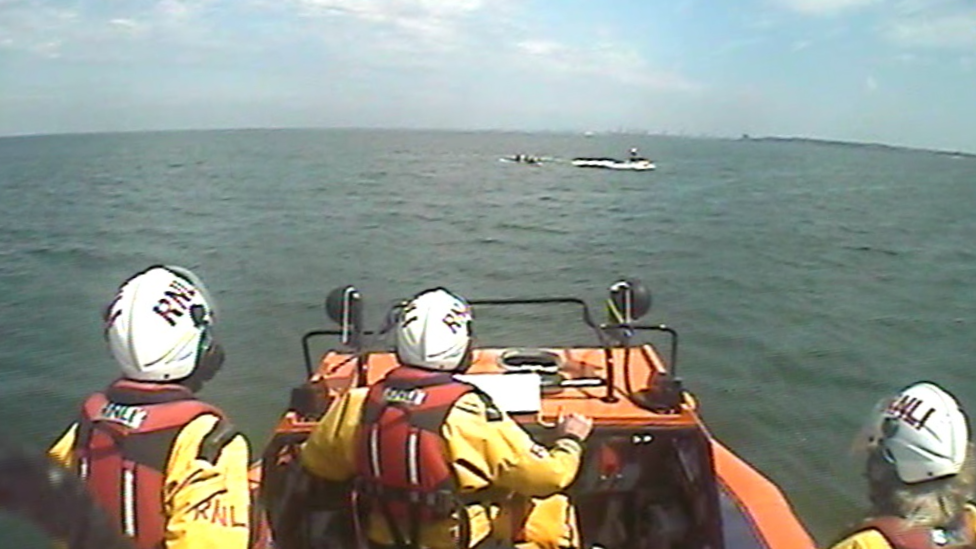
<point x="355" y="397"/>
<point x="479" y="404"/>
<point x="209" y="434"/>
<point x="865" y="537"/>
<point x="345" y="407"/>
<point x="204" y="406"/>
<point x="357" y="392"/>
<point x="970" y="512"/>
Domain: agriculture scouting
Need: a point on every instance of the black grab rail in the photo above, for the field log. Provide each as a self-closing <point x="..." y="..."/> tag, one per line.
<point x="607" y="335"/>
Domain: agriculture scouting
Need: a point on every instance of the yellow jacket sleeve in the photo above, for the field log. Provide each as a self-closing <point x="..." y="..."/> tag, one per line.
<point x="865" y="539"/>
<point x="61" y="451"/>
<point x="490" y="449"/>
<point x="206" y="494"/>
<point x="329" y="452"/>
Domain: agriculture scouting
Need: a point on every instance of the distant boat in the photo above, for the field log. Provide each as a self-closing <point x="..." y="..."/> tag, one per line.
<point x="587" y="134"/>
<point x="523" y="159"/>
<point x="634" y="164"/>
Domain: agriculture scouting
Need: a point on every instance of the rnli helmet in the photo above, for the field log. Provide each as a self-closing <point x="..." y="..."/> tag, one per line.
<point x="158" y="327"/>
<point x="921" y="431"/>
<point x="434" y="331"/>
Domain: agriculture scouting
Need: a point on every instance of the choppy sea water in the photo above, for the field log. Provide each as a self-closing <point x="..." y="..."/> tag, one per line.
<point x="806" y="280"/>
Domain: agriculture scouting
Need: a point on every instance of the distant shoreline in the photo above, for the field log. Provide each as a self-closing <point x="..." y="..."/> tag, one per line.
<point x="744" y="137"/>
<point x="853" y="144"/>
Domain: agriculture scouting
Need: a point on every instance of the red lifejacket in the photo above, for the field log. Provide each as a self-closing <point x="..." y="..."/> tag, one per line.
<point x="124" y="439"/>
<point x="402" y="464"/>
<point x="900" y="534"/>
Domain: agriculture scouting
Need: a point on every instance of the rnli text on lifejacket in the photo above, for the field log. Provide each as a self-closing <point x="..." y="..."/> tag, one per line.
<point x="415" y="397"/>
<point x="130" y="416"/>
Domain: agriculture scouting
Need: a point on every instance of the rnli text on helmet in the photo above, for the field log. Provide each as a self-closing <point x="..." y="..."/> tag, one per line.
<point x="905" y="408"/>
<point x="176" y="301"/>
<point x="456" y="318"/>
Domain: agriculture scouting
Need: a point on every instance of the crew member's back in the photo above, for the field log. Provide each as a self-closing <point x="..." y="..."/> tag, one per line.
<point x="170" y="470"/>
<point x="435" y="461"/>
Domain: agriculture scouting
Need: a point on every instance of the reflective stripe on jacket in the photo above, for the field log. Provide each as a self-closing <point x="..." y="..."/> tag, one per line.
<point x="402" y="467"/>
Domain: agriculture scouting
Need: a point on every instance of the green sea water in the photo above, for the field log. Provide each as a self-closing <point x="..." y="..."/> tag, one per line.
<point x="806" y="280"/>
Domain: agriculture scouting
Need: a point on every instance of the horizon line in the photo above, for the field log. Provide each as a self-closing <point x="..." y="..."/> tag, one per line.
<point x="745" y="136"/>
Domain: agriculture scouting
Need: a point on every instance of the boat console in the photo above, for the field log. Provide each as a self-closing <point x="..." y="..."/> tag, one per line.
<point x="652" y="476"/>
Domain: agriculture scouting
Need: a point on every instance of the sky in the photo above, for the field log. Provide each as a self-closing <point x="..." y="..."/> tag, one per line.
<point x="900" y="72"/>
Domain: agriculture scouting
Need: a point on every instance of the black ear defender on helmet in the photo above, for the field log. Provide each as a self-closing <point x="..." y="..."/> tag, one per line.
<point x="210" y="354"/>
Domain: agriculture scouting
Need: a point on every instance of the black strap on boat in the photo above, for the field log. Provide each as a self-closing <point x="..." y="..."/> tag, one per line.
<point x="415" y="520"/>
<point x="464" y="525"/>
<point x="446" y="503"/>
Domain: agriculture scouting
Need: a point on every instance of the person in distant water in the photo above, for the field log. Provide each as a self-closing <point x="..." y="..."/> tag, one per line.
<point x="169" y="470"/>
<point x="473" y="473"/>
<point x="633" y="153"/>
<point x="921" y="474"/>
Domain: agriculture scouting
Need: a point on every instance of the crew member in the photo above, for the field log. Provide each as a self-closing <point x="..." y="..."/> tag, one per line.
<point x="437" y="464"/>
<point x="921" y="473"/>
<point x="169" y="469"/>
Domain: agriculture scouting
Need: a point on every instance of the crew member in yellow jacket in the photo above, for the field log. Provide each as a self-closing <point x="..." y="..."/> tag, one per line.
<point x="510" y="485"/>
<point x="168" y="469"/>
<point x="921" y="473"/>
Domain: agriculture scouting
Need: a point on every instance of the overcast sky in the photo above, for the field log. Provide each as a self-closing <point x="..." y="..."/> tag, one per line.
<point x="893" y="71"/>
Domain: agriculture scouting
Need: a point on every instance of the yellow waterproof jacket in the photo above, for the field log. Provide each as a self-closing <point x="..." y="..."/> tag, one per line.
<point x="207" y="504"/>
<point x="871" y="538"/>
<point x="485" y="447"/>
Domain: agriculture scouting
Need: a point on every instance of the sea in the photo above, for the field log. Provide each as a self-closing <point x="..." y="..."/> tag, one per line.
<point x="807" y="280"/>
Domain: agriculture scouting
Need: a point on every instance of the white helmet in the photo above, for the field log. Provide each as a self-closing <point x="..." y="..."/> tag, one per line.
<point x="434" y="331"/>
<point x="158" y="325"/>
<point x="922" y="431"/>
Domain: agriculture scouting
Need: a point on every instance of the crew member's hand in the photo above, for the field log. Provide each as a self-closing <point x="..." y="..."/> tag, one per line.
<point x="576" y="425"/>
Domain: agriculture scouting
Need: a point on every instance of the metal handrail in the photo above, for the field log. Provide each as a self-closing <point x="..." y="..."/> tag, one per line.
<point x="602" y="332"/>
